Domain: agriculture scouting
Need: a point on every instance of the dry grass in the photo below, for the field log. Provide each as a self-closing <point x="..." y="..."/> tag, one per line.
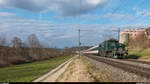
<point x="82" y="70"/>
<point x="76" y="72"/>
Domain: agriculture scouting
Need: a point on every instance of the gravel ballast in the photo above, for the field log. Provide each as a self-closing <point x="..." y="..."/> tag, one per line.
<point x="115" y="74"/>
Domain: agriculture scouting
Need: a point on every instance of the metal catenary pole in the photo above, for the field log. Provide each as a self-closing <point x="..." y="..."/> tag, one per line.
<point x="118" y="34"/>
<point x="79" y="32"/>
<point x="79" y="41"/>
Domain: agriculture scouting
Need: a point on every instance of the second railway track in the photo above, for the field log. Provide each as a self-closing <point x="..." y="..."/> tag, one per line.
<point x="137" y="61"/>
<point x="138" y="70"/>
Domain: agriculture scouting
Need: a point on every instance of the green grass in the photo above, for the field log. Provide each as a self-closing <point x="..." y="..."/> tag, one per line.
<point x="139" y="54"/>
<point x="30" y="71"/>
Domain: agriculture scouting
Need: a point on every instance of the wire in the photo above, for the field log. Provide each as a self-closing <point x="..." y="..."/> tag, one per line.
<point x="136" y="18"/>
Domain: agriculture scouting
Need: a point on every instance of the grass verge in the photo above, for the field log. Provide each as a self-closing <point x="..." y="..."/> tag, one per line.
<point x="140" y="54"/>
<point x="30" y="71"/>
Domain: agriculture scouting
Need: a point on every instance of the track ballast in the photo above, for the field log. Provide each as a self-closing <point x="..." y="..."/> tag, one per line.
<point x="138" y="70"/>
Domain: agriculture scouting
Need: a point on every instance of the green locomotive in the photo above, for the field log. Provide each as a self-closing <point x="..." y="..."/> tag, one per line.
<point x="113" y="49"/>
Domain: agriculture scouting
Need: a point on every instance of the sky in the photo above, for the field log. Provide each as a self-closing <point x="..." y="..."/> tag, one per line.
<point x="56" y="22"/>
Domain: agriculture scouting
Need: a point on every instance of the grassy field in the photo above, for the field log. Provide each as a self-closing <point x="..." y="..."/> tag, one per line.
<point x="30" y="71"/>
<point x="140" y="54"/>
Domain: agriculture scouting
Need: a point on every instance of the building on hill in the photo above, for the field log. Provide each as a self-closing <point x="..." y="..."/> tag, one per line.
<point x="128" y="34"/>
<point x="148" y="32"/>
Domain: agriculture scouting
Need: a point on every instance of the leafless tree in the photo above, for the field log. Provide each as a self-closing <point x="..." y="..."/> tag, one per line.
<point x="16" y="42"/>
<point x="35" y="47"/>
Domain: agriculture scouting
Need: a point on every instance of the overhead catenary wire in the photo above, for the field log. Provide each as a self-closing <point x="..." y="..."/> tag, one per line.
<point x="116" y="9"/>
<point x="113" y="12"/>
<point x="137" y="17"/>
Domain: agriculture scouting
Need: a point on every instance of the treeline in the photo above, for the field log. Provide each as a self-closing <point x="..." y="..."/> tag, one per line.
<point x="18" y="52"/>
<point x="142" y="41"/>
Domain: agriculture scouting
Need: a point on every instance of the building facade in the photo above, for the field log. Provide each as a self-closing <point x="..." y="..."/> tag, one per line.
<point x="130" y="34"/>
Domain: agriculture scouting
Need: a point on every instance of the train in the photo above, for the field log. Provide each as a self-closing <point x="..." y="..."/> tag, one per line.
<point x="110" y="48"/>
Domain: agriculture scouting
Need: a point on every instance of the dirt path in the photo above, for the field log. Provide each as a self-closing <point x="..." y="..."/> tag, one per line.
<point x="55" y="73"/>
<point x="76" y="72"/>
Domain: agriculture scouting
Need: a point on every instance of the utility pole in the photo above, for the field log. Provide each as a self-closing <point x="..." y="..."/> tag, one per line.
<point x="79" y="42"/>
<point x="79" y="34"/>
<point x="118" y="34"/>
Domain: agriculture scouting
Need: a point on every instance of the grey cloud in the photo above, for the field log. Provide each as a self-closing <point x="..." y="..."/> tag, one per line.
<point x="23" y="4"/>
<point x="73" y="7"/>
<point x="62" y="35"/>
<point x="62" y="7"/>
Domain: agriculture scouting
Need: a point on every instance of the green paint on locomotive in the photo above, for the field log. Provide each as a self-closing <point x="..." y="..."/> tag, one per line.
<point x="112" y="48"/>
<point x="111" y="45"/>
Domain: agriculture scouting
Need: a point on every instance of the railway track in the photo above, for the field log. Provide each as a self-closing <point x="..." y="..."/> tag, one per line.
<point x="138" y="70"/>
<point x="137" y="61"/>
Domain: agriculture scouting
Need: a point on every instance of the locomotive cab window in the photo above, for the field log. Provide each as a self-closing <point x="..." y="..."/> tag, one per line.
<point x="100" y="45"/>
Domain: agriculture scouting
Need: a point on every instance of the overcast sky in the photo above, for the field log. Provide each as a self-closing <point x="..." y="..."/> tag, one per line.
<point x="55" y="22"/>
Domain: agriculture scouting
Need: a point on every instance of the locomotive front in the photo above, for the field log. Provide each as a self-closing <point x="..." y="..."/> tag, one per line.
<point x="120" y="52"/>
<point x="113" y="49"/>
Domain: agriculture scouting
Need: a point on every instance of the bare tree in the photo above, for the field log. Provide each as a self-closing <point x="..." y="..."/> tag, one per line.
<point x="35" y="47"/>
<point x="16" y="51"/>
<point x="16" y="42"/>
<point x="33" y="41"/>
